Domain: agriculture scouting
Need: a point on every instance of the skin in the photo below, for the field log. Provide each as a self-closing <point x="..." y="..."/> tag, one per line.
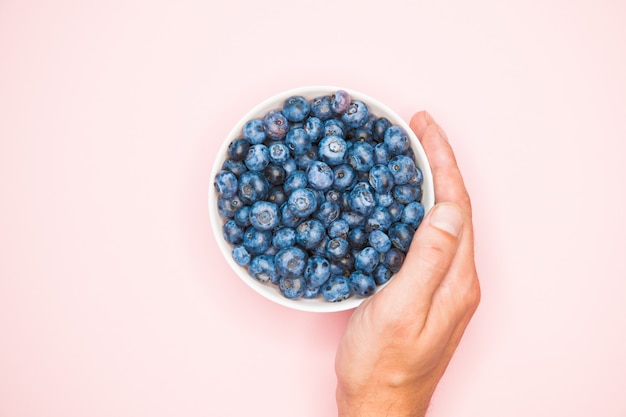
<point x="399" y="342"/>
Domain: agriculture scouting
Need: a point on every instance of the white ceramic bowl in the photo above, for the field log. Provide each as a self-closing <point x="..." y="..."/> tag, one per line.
<point x="271" y="291"/>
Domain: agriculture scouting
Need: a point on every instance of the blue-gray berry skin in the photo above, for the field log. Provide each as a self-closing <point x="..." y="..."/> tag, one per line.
<point x="401" y="235"/>
<point x="320" y="108"/>
<point x="310" y="233"/>
<point x="395" y="211"/>
<point x="278" y="152"/>
<point x="383" y="199"/>
<point x="412" y="214"/>
<point x="258" y="157"/>
<point x="228" y="207"/>
<point x="362" y="284"/>
<point x="402" y="168"/>
<point x="298" y="141"/>
<point x="356" y="115"/>
<point x="361" y="156"/>
<point x="242" y="216"/>
<point x="226" y="184"/>
<point x="328" y="212"/>
<point x="381" y="179"/>
<point x="254" y="131"/>
<point x="292" y="286"/>
<point x="276" y="125"/>
<point x="340" y="101"/>
<point x="337" y="248"/>
<point x="317" y="271"/>
<point x="319" y="175"/>
<point x="252" y="187"/>
<point x="284" y="237"/>
<point x="262" y="268"/>
<point x="394" y="259"/>
<point x="297" y="179"/>
<point x="380" y="219"/>
<point x="397" y="140"/>
<point x="290" y="262"/>
<point x="344" y="177"/>
<point x="264" y="215"/>
<point x="379" y="241"/>
<point x="310" y="291"/>
<point x="275" y="174"/>
<point x="296" y="108"/>
<point x="362" y="199"/>
<point x="367" y="259"/>
<point x="336" y="289"/>
<point x="305" y="160"/>
<point x="334" y="127"/>
<point x="287" y="217"/>
<point x="277" y="195"/>
<point x="236" y="167"/>
<point x="361" y="134"/>
<point x="382" y="274"/>
<point x="380" y="127"/>
<point x="241" y="255"/>
<point x="232" y="232"/>
<point x="381" y="154"/>
<point x="354" y="219"/>
<point x="357" y="237"/>
<point x="238" y="149"/>
<point x="405" y="194"/>
<point x="338" y="228"/>
<point x="315" y="128"/>
<point x="302" y="202"/>
<point x="332" y="150"/>
<point x="256" y="241"/>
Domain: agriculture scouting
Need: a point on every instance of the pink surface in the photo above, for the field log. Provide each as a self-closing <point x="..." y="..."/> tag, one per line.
<point x="113" y="297"/>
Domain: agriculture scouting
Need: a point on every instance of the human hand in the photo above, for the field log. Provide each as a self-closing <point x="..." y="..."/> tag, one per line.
<point x="399" y="342"/>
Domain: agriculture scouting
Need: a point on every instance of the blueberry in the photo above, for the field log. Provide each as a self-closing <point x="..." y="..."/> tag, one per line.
<point x="254" y="131"/>
<point x="310" y="233"/>
<point x="302" y="202"/>
<point x="394" y="259"/>
<point x="305" y="160"/>
<point x="361" y="156"/>
<point x="328" y="212"/>
<point x="284" y="237"/>
<point x="405" y="194"/>
<point x="292" y="286"/>
<point x="413" y="214"/>
<point x="287" y="217"/>
<point x="236" y="167"/>
<point x="381" y="274"/>
<point x="317" y="271"/>
<point x="381" y="179"/>
<point x="226" y="184"/>
<point x="337" y="288"/>
<point x="334" y="127"/>
<point x="361" y="134"/>
<point x="262" y="268"/>
<point x="340" y="101"/>
<point x="290" y="261"/>
<point x="238" y="149"/>
<point x="241" y="256"/>
<point x="290" y="166"/>
<point x="311" y="291"/>
<point x="345" y="264"/>
<point x="353" y="218"/>
<point x="253" y="186"/>
<point x="333" y="195"/>
<point x="395" y="211"/>
<point x="320" y="108"/>
<point x="362" y="284"/>
<point x="397" y="140"/>
<point x="403" y="169"/>
<point x="337" y="248"/>
<point x="357" y="237"/>
<point x="338" y="228"/>
<point x="298" y="141"/>
<point x="381" y="154"/>
<point x="315" y="128"/>
<point x="228" y="207"/>
<point x="380" y="127"/>
<point x="242" y="216"/>
<point x="276" y="125"/>
<point x="378" y="220"/>
<point x="362" y="199"/>
<point x="296" y="108"/>
<point x="278" y="152"/>
<point x="264" y="215"/>
<point x="256" y="241"/>
<point x="345" y="177"/>
<point x="277" y="195"/>
<point x="383" y="199"/>
<point x="319" y="175"/>
<point x="232" y="232"/>
<point x="367" y="259"/>
<point x="275" y="174"/>
<point x="297" y="179"/>
<point x="379" y="241"/>
<point x="320" y="248"/>
<point x="356" y="115"/>
<point x="401" y="235"/>
<point x="258" y="157"/>
<point x="332" y="149"/>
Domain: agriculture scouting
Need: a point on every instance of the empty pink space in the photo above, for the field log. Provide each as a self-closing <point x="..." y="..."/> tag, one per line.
<point x="114" y="298"/>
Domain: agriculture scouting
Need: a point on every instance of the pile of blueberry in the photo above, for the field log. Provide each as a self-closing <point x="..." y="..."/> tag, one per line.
<point x="320" y="198"/>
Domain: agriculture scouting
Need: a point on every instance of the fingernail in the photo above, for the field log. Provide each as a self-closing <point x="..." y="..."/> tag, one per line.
<point x="447" y="217"/>
<point x="428" y="117"/>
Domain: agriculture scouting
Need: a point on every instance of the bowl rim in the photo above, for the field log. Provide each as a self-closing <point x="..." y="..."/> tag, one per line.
<point x="275" y="101"/>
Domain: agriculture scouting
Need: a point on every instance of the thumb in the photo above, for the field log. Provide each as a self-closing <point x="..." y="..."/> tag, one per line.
<point x="432" y="249"/>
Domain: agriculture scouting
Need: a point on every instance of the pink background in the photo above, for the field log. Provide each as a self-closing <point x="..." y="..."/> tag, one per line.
<point x="113" y="297"/>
